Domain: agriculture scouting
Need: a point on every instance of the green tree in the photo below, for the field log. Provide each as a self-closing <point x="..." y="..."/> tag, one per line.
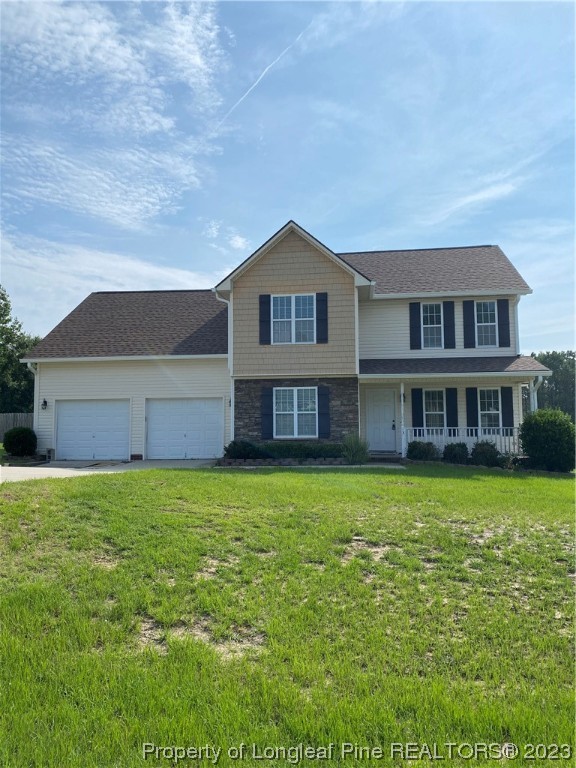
<point x="557" y="391"/>
<point x="16" y="381"/>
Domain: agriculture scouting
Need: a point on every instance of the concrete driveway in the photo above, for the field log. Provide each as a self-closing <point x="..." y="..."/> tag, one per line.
<point x="80" y="468"/>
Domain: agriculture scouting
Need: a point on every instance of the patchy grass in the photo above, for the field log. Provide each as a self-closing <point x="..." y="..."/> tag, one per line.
<point x="277" y="607"/>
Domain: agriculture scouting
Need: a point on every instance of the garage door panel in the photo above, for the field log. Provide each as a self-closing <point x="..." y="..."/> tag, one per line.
<point x="191" y="428"/>
<point x="92" y="429"/>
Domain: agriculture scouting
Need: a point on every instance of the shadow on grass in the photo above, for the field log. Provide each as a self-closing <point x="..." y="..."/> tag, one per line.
<point x="435" y="470"/>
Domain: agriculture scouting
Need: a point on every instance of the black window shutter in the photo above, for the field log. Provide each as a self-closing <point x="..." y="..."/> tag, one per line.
<point x="417" y="408"/>
<point x="471" y="406"/>
<point x="507" y="406"/>
<point x="451" y="407"/>
<point x="449" y="331"/>
<point x="265" y="318"/>
<point x="415" y="333"/>
<point x="321" y="318"/>
<point x="469" y="327"/>
<point x="267" y="413"/>
<point x="503" y="323"/>
<point x="323" y="412"/>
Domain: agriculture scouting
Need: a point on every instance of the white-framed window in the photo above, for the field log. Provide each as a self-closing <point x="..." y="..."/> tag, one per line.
<point x="434" y="409"/>
<point x="432" y="326"/>
<point x="486" y="324"/>
<point x="489" y="408"/>
<point x="295" y="412"/>
<point x="294" y="319"/>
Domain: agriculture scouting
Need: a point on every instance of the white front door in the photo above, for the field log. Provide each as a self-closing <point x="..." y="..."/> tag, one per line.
<point x="380" y="418"/>
<point x="191" y="428"/>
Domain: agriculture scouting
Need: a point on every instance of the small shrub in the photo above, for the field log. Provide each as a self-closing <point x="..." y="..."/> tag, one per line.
<point x="547" y="437"/>
<point x="485" y="454"/>
<point x="287" y="449"/>
<point x="354" y="449"/>
<point x="456" y="453"/>
<point x="420" y="451"/>
<point x="20" y="441"/>
<point x="244" y="449"/>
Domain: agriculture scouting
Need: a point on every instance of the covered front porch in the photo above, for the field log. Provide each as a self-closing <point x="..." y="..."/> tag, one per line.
<point x="442" y="408"/>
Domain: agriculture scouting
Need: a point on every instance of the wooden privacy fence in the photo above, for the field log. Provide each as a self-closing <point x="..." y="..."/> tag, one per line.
<point x="9" y="420"/>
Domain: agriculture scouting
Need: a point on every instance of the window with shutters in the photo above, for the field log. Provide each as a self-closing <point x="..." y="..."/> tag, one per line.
<point x="489" y="410"/>
<point x="295" y="412"/>
<point x="432" y="335"/>
<point x="434" y="409"/>
<point x="294" y="319"/>
<point x="486" y="324"/>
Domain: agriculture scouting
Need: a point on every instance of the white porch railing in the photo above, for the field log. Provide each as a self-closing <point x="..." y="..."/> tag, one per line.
<point x="505" y="439"/>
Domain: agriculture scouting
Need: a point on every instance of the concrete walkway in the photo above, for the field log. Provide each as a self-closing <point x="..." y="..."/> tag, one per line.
<point x="80" y="468"/>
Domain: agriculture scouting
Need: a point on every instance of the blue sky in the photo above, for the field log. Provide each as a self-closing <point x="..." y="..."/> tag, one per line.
<point x="155" y="145"/>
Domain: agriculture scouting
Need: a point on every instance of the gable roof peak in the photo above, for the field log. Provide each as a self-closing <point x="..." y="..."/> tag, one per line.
<point x="290" y="226"/>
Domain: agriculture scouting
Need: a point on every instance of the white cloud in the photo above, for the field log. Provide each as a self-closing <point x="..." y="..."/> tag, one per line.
<point x="125" y="188"/>
<point x="80" y="40"/>
<point x="108" y="69"/>
<point x="471" y="202"/>
<point x="238" y="242"/>
<point x="212" y="229"/>
<point x="46" y="280"/>
<point x="127" y="53"/>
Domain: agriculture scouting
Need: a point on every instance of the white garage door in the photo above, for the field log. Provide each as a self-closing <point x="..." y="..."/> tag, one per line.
<point x="92" y="429"/>
<point x="185" y="429"/>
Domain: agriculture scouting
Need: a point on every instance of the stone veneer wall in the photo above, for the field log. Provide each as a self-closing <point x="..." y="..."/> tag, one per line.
<point x="343" y="405"/>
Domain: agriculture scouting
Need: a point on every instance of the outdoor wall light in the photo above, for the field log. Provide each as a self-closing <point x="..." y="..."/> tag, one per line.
<point x="44" y="404"/>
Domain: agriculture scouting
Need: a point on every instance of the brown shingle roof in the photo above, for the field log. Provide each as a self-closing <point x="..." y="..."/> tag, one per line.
<point x="480" y="268"/>
<point x="111" y="324"/>
<point x="448" y="365"/>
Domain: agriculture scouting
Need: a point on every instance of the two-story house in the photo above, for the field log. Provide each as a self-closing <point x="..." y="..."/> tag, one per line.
<point x="297" y="343"/>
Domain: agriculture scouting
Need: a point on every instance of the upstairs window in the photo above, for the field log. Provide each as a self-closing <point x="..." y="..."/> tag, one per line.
<point x="486" y="324"/>
<point x="295" y="412"/>
<point x="294" y="319"/>
<point x="432" y="326"/>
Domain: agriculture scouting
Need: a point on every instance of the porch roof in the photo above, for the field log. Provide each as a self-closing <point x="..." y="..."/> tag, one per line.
<point x="460" y="366"/>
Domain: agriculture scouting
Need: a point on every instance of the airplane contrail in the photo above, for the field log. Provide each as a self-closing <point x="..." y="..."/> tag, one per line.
<point x="263" y="74"/>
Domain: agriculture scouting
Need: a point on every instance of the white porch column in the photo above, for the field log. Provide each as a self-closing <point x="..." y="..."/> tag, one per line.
<point x="402" y="433"/>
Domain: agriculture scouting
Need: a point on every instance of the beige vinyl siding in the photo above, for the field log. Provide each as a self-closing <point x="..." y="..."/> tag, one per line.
<point x="293" y="266"/>
<point x="385" y="330"/>
<point x="133" y="380"/>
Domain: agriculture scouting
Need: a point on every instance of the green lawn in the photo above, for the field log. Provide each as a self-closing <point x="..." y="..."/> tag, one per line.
<point x="283" y="607"/>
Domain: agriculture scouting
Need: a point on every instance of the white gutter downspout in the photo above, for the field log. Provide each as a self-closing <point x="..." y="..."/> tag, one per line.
<point x="403" y="432"/>
<point x="230" y="356"/>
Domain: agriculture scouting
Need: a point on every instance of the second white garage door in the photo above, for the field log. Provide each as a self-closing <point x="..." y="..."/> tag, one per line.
<point x="185" y="429"/>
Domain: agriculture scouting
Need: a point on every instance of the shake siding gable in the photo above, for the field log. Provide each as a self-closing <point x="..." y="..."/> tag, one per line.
<point x="294" y="266"/>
